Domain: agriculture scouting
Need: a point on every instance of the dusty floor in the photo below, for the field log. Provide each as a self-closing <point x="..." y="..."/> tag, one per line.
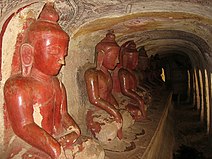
<point x="191" y="141"/>
<point x="142" y="141"/>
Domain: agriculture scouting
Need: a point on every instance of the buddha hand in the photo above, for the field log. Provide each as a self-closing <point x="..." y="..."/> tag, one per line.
<point x="62" y="154"/>
<point x="68" y="139"/>
<point x="119" y="120"/>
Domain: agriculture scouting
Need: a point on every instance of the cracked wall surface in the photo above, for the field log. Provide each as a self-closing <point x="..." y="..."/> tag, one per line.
<point x="163" y="27"/>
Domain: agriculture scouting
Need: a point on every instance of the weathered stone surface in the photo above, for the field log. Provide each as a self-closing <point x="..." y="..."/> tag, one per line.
<point x="164" y="27"/>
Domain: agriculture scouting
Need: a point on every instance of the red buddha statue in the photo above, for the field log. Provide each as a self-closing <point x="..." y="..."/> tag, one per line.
<point x="150" y="73"/>
<point x="128" y="81"/>
<point x="104" y="120"/>
<point x="35" y="99"/>
<point x="142" y="70"/>
<point x="156" y="70"/>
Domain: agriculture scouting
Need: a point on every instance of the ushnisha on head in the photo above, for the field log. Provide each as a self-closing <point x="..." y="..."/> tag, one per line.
<point x="45" y="26"/>
<point x="129" y="55"/>
<point x="45" y="43"/>
<point x="142" y="52"/>
<point x="129" y="47"/>
<point x="107" y="51"/>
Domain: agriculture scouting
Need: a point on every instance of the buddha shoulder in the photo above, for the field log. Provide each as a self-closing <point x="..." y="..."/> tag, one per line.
<point x="91" y="73"/>
<point x="18" y="83"/>
<point x="123" y="71"/>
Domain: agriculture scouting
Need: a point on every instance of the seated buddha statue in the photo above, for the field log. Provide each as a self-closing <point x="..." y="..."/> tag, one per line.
<point x="128" y="81"/>
<point x="156" y="69"/>
<point x="36" y="101"/>
<point x="142" y="70"/>
<point x="150" y="73"/>
<point x="104" y="119"/>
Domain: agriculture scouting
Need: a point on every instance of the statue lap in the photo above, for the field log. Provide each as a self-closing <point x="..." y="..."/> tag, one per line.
<point x="35" y="100"/>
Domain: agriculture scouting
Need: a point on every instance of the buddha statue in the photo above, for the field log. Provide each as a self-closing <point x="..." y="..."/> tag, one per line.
<point x="36" y="101"/>
<point x="150" y="73"/>
<point x="156" y="69"/>
<point x="128" y="81"/>
<point x="104" y="119"/>
<point x="143" y="70"/>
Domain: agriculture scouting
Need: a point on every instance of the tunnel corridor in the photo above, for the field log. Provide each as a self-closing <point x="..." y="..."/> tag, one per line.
<point x="191" y="140"/>
<point x="178" y="32"/>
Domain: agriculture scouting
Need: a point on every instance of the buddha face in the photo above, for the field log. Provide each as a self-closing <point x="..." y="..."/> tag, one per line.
<point x="111" y="58"/>
<point x="49" y="54"/>
<point x="130" y="60"/>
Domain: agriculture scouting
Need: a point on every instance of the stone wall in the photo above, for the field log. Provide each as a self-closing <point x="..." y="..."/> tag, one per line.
<point x="184" y="25"/>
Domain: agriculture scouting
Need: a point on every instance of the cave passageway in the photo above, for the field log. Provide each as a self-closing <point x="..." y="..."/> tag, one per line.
<point x="191" y="140"/>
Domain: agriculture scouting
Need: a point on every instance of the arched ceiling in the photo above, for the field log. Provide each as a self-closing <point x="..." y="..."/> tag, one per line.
<point x="166" y="27"/>
<point x="168" y="41"/>
<point x="162" y="26"/>
<point x="159" y="32"/>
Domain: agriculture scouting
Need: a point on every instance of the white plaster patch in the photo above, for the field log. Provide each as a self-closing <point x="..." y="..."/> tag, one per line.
<point x="12" y="139"/>
<point x="37" y="115"/>
<point x="109" y="127"/>
<point x="65" y="154"/>
<point x="29" y="155"/>
<point x="50" y="1"/>
<point x="139" y="113"/>
<point x="1" y="120"/>
<point x="19" y="155"/>
<point x="76" y="149"/>
<point x="127" y="119"/>
<point x="92" y="150"/>
<point x="69" y="154"/>
<point x="108" y="132"/>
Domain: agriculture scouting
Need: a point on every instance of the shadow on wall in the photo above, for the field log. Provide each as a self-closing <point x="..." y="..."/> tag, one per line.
<point x="84" y="101"/>
<point x="186" y="152"/>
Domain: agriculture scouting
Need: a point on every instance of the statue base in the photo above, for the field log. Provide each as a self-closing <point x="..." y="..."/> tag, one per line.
<point x="84" y="147"/>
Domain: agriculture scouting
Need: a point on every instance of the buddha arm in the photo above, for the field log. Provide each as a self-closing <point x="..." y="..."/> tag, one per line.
<point x="72" y="129"/>
<point x="142" y="88"/>
<point x="150" y="79"/>
<point x="126" y="90"/>
<point x="91" y="79"/>
<point x="114" y="101"/>
<point x="20" y="110"/>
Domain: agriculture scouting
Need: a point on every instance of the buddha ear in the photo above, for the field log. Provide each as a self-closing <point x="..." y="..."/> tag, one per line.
<point x="26" y="53"/>
<point x="100" y="59"/>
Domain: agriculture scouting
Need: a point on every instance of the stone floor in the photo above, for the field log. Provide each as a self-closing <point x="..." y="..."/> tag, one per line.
<point x="142" y="141"/>
<point x="191" y="141"/>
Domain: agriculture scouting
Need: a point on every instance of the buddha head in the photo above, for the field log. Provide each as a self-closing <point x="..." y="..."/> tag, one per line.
<point x="142" y="52"/>
<point x="107" y="52"/>
<point x="129" y="55"/>
<point x="45" y="44"/>
<point x="143" y="59"/>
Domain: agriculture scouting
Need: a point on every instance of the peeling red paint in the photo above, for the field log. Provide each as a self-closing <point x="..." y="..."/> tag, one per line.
<point x="3" y="31"/>
<point x="93" y="126"/>
<point x="15" y="67"/>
